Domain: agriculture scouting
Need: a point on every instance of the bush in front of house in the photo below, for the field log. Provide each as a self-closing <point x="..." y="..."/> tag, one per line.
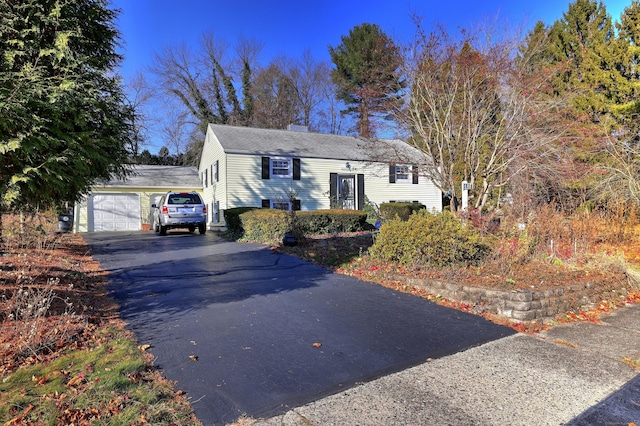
<point x="402" y="210"/>
<point x="269" y="225"/>
<point x="232" y="218"/>
<point x="264" y="225"/>
<point x="429" y="239"/>
<point x="332" y="221"/>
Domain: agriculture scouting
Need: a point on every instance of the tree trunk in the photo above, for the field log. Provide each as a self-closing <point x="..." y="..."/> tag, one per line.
<point x="1" y="236"/>
<point x="484" y="195"/>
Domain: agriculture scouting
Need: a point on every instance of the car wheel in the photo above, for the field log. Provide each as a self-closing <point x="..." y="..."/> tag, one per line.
<point x="202" y="229"/>
<point x="163" y="230"/>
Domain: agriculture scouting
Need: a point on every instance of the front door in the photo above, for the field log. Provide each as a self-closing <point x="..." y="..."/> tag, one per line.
<point x="346" y="192"/>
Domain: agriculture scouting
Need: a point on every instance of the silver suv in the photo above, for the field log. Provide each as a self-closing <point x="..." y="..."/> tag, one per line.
<point x="180" y="210"/>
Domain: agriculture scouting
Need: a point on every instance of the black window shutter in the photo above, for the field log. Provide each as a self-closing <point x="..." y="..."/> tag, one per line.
<point x="415" y="174"/>
<point x="266" y="165"/>
<point x="266" y="204"/>
<point x="296" y="169"/>
<point x="296" y="204"/>
<point x="360" y="191"/>
<point x="333" y="190"/>
<point x="392" y="173"/>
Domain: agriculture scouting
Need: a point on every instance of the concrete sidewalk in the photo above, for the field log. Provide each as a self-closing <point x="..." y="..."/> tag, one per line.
<point x="568" y="375"/>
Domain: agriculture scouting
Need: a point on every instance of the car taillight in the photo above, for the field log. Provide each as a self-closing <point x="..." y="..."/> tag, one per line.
<point x="204" y="209"/>
<point x="165" y="210"/>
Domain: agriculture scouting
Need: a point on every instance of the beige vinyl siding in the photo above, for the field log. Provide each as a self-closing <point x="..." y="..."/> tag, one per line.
<point x="214" y="191"/>
<point x="379" y="190"/>
<point x="376" y="187"/>
<point x="248" y="188"/>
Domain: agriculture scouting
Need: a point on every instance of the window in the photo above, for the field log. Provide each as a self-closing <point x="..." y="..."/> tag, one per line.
<point x="280" y="205"/>
<point x="188" y="198"/>
<point x="403" y="173"/>
<point x="206" y="177"/>
<point x="281" y="167"/>
<point x="214" y="171"/>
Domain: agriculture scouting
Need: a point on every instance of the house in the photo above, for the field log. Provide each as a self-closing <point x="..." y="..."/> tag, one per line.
<point x="286" y="169"/>
<point x="125" y="205"/>
<point x="283" y="169"/>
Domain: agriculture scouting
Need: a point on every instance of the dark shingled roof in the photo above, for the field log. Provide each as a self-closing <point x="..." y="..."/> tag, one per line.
<point x="160" y="176"/>
<point x="247" y="140"/>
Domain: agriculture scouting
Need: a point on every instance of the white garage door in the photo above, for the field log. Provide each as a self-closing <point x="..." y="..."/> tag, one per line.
<point x="115" y="212"/>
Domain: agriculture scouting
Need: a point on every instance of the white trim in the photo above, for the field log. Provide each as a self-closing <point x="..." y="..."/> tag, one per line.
<point x="281" y="159"/>
<point x="409" y="176"/>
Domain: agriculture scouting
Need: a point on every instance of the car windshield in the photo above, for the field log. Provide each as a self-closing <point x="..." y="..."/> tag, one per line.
<point x="184" y="199"/>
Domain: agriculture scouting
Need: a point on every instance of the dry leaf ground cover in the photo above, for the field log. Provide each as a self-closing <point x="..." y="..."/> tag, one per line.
<point x="607" y="265"/>
<point x="65" y="357"/>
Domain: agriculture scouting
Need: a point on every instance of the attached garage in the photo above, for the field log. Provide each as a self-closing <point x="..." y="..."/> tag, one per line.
<point x="125" y="205"/>
<point x="114" y="212"/>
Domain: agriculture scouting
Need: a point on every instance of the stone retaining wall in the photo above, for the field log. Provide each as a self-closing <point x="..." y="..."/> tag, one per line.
<point x="522" y="305"/>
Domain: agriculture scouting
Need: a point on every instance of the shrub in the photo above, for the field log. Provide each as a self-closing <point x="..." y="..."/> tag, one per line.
<point x="264" y="225"/>
<point x="232" y="218"/>
<point x="331" y="221"/>
<point x="401" y="210"/>
<point x="32" y="230"/>
<point x="429" y="239"/>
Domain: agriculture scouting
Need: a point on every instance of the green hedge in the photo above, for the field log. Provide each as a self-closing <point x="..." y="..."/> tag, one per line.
<point x="402" y="210"/>
<point x="429" y="239"/>
<point x="332" y="221"/>
<point x="232" y="218"/>
<point x="264" y="225"/>
<point x="269" y="225"/>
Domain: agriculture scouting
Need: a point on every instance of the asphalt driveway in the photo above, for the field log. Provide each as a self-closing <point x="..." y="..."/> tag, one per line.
<point x="244" y="330"/>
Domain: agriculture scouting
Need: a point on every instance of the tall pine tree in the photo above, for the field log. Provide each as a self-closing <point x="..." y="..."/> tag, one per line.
<point x="367" y="75"/>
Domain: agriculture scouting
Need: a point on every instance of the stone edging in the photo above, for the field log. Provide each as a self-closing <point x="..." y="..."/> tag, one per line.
<point x="521" y="305"/>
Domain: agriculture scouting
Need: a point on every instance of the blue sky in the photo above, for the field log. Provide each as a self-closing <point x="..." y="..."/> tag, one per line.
<point x="289" y="27"/>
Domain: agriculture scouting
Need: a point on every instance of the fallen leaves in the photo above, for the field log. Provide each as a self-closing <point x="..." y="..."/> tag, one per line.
<point x="316" y="345"/>
<point x="193" y="357"/>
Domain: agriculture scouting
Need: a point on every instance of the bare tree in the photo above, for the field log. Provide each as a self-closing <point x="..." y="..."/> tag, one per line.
<point x="472" y="113"/>
<point x="203" y="81"/>
<point x="275" y="101"/>
<point x="311" y="80"/>
<point x="138" y="98"/>
<point x="620" y="177"/>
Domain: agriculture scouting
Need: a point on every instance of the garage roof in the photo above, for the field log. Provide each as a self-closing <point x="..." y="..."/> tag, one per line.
<point x="160" y="176"/>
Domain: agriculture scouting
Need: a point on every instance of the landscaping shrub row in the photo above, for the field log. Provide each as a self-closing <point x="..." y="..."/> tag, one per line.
<point x="258" y="224"/>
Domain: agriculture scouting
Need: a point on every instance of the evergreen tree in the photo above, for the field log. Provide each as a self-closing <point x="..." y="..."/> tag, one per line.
<point x="628" y="54"/>
<point x="583" y="43"/>
<point x="367" y="75"/>
<point x="63" y="120"/>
